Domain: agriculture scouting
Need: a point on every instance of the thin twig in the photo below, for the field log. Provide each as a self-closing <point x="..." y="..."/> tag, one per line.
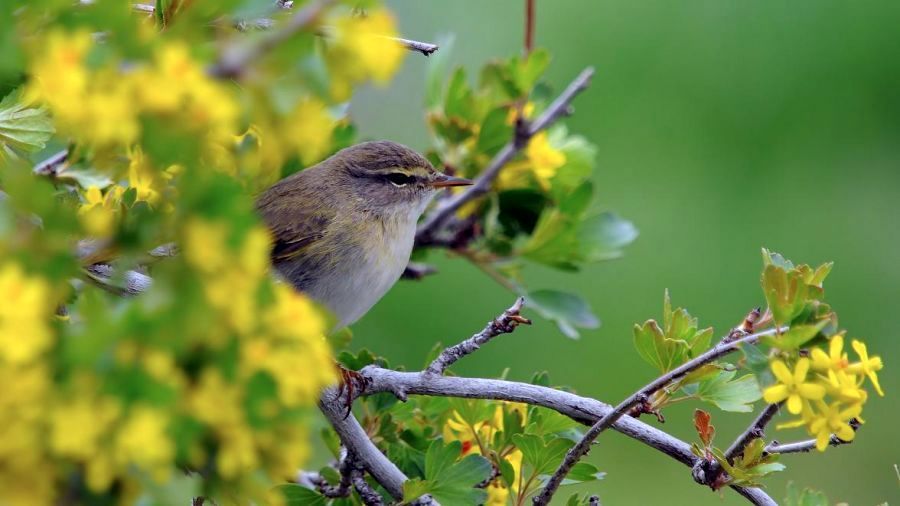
<point x="809" y="444"/>
<point x="529" y="26"/>
<point x="367" y="494"/>
<point x="448" y="207"/>
<point x="50" y="166"/>
<point x="342" y="489"/>
<point x="417" y="271"/>
<point x="756" y="430"/>
<point x="425" y="48"/>
<point x="235" y="59"/>
<point x="581" y="448"/>
<point x="503" y="324"/>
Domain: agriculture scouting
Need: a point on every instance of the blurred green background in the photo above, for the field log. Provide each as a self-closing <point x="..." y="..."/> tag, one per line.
<point x="722" y="127"/>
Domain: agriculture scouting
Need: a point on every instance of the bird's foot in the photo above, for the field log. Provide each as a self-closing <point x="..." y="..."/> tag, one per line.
<point x="351" y="384"/>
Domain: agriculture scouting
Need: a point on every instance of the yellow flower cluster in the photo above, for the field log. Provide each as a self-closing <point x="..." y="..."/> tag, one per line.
<point x="478" y="437"/>
<point x="361" y="48"/>
<point x="829" y="398"/>
<point x="103" y="106"/>
<point x="542" y="161"/>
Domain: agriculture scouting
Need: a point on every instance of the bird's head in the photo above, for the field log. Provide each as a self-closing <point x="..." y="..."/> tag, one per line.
<point x="390" y="178"/>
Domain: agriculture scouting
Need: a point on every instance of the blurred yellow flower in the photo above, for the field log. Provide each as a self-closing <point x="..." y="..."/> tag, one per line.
<point x="541" y="162"/>
<point x="792" y="386"/>
<point x="99" y="213"/>
<point x="143" y="441"/>
<point x="79" y="422"/>
<point x="143" y="177"/>
<point x="308" y="129"/>
<point x="360" y="49"/>
<point x="25" y="313"/>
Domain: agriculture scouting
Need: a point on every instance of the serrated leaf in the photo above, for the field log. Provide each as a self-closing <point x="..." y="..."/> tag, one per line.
<point x="495" y="132"/>
<point x="298" y="495"/>
<point x="449" y="481"/>
<point x="542" y="456"/>
<point x="23" y="128"/>
<point x="567" y="310"/>
<point x="785" y="292"/>
<point x="583" y="472"/>
<point x="795" y="337"/>
<point x="727" y="394"/>
<point x="805" y="497"/>
<point x="705" y="429"/>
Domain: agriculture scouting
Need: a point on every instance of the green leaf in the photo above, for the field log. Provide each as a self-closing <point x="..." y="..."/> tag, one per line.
<point x="785" y="292"/>
<point x="542" y="456"/>
<point x="676" y="341"/>
<point x="530" y="70"/>
<point x="23" y="128"/>
<point x="583" y="472"/>
<point x="726" y="393"/>
<point x="458" y="101"/>
<point x="449" y="481"/>
<point x="495" y="131"/>
<point x="602" y="237"/>
<point x="805" y="497"/>
<point x="85" y="178"/>
<point x="298" y="495"/>
<point x="795" y="337"/>
<point x="567" y="310"/>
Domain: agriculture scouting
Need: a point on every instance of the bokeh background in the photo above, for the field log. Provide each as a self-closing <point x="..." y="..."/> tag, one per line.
<point x="722" y="127"/>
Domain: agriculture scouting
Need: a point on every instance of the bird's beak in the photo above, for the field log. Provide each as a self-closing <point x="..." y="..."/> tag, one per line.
<point x="444" y="181"/>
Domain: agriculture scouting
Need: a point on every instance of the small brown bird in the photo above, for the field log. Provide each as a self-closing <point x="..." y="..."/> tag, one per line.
<point x="344" y="229"/>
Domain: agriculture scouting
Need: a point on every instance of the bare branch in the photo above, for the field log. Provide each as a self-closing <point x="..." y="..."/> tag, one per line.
<point x="368" y="495"/>
<point x="503" y="324"/>
<point x="104" y="276"/>
<point x="809" y="444"/>
<point x="50" y="166"/>
<point x="425" y="48"/>
<point x="446" y="208"/>
<point x="238" y="56"/>
<point x="581" y="409"/>
<point x="754" y="431"/>
<point x="417" y="271"/>
<point x="581" y="448"/>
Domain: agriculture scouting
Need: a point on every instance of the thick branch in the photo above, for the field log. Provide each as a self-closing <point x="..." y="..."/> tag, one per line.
<point x="581" y="448"/>
<point x="503" y="324"/>
<point x="581" y="409"/>
<point x="446" y="208"/>
<point x="357" y="442"/>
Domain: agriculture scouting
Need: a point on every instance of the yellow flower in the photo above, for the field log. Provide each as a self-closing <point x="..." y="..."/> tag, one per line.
<point x="25" y="312"/>
<point x="99" y="212"/>
<point x="866" y="365"/>
<point x="831" y="419"/>
<point x="78" y="423"/>
<point x="142" y="177"/>
<point x="792" y="386"/>
<point x="844" y="386"/>
<point x="360" y="49"/>
<point x="544" y="158"/>
<point x="541" y="162"/>
<point x="308" y="130"/>
<point x="835" y="358"/>
<point x="143" y="442"/>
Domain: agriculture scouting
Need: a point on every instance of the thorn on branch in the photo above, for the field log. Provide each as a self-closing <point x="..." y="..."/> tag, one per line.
<point x="503" y="324"/>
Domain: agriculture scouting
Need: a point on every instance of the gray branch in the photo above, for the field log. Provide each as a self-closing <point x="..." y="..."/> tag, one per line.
<point x="809" y="444"/>
<point x="446" y="208"/>
<point x="425" y="48"/>
<point x="581" y="409"/>
<point x="581" y="448"/>
<point x="357" y="442"/>
<point x="503" y="324"/>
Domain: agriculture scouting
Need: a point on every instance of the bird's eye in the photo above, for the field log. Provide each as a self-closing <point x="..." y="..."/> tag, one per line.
<point x="400" y="179"/>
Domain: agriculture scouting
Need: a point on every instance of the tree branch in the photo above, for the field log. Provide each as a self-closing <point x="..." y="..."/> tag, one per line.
<point x="425" y="48"/>
<point x="503" y="324"/>
<point x="446" y="208"/>
<point x="809" y="444"/>
<point x="581" y="448"/>
<point x="357" y="442"/>
<point x="754" y="431"/>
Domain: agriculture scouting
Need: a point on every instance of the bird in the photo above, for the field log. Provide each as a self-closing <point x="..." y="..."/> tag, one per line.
<point x="343" y="230"/>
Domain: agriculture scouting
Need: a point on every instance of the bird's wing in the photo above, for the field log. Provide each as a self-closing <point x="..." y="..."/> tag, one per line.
<point x="296" y="216"/>
<point x="293" y="234"/>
